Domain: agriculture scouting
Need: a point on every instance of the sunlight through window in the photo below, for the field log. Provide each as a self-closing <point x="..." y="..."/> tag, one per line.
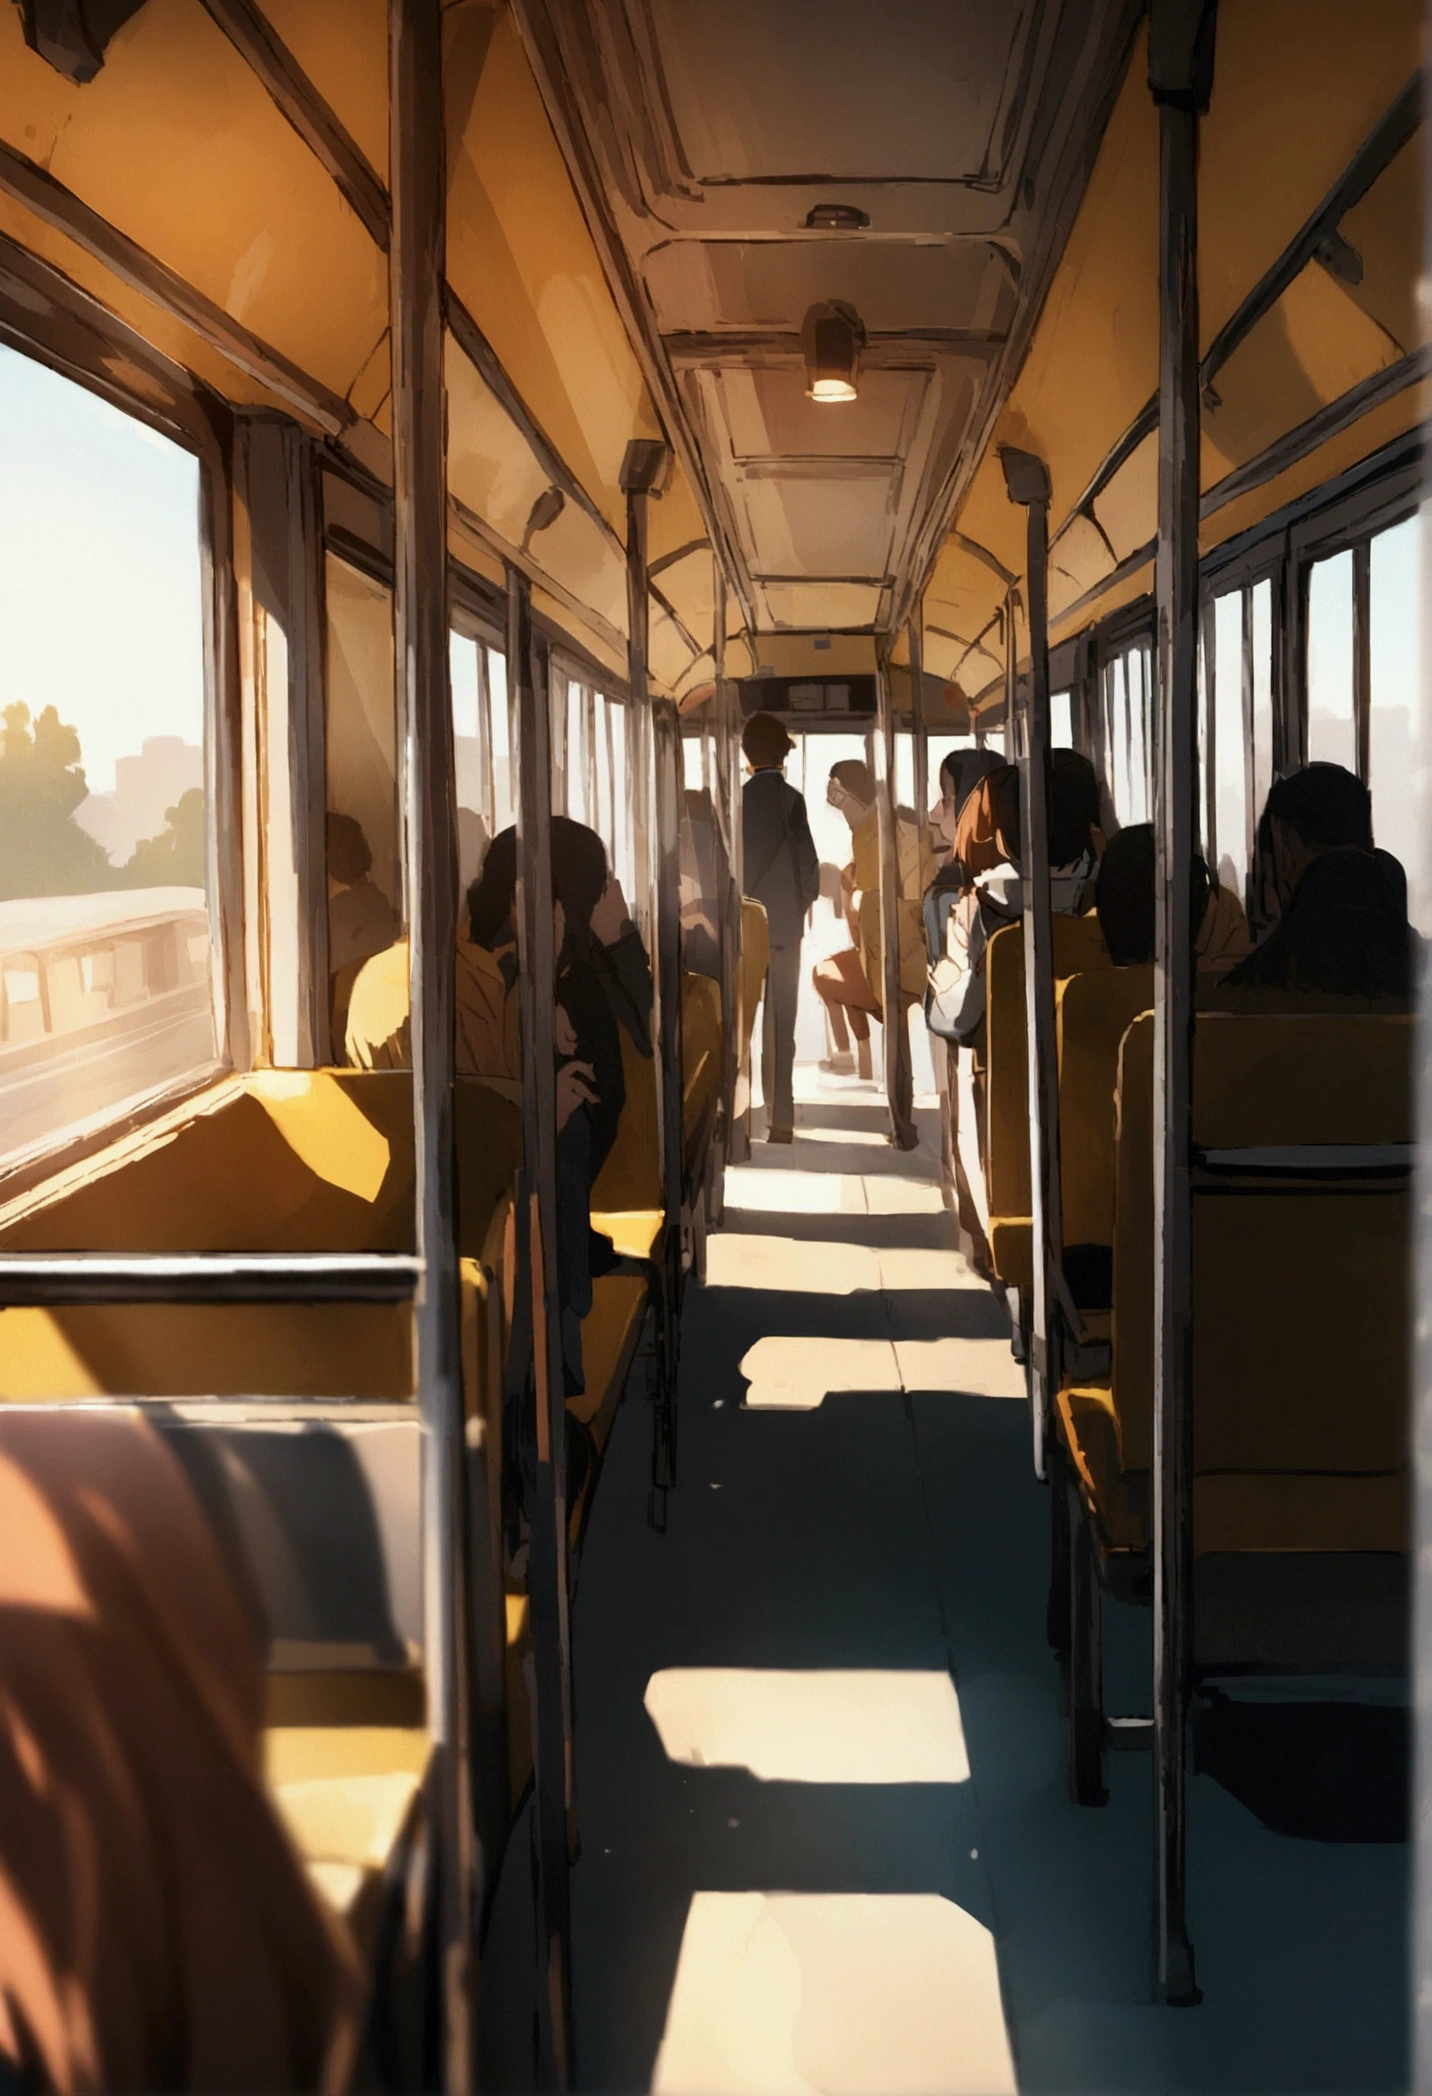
<point x="735" y="1260"/>
<point x="844" y="1725"/>
<point x="834" y="1991"/>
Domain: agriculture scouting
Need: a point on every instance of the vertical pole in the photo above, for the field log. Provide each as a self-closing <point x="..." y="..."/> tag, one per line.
<point x="920" y="735"/>
<point x="898" y="1083"/>
<point x="643" y="470"/>
<point x="727" y="796"/>
<point x="529" y="682"/>
<point x="1027" y="481"/>
<point x="421" y="631"/>
<point x="1180" y="75"/>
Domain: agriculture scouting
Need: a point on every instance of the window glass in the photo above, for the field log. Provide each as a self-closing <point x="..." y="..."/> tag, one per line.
<point x="691" y="748"/>
<point x="1332" y="736"/>
<point x="1262" y="740"/>
<point x="1397" y="760"/>
<point x="904" y="771"/>
<point x="577" y="752"/>
<point x="1228" y="847"/>
<point x="1061" y="720"/>
<point x="499" y="723"/>
<point x="606" y="821"/>
<point x="1205" y="824"/>
<point x="1126" y="700"/>
<point x="365" y="874"/>
<point x="619" y="840"/>
<point x="108" y="964"/>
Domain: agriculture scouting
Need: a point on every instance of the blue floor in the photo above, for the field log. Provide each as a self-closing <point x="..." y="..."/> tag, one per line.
<point x="905" y="1530"/>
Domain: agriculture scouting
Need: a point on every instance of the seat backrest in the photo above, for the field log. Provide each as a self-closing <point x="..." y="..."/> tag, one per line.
<point x="1095" y="1010"/>
<point x="703" y="1063"/>
<point x="631" y="1177"/>
<point x="1301" y="1284"/>
<point x="1078" y="947"/>
<point x="751" y="976"/>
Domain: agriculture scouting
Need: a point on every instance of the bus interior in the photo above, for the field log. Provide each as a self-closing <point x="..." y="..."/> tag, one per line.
<point x="927" y="1600"/>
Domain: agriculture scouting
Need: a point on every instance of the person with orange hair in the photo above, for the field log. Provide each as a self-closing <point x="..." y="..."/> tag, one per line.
<point x="157" y="1928"/>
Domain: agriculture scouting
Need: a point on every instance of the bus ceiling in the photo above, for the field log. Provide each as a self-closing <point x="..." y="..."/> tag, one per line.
<point x="942" y="222"/>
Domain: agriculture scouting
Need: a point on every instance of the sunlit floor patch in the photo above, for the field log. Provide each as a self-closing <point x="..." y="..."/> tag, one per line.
<point x="838" y="1725"/>
<point x="887" y="1195"/>
<point x="774" y="1191"/>
<point x="904" y="1268"/>
<point x="839" y="1992"/>
<point x="788" y="1374"/>
<point x="860" y="1138"/>
<point x="977" y="1367"/>
<point x="737" y="1260"/>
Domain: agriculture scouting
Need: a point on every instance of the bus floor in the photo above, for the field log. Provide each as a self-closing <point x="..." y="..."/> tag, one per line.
<point x="826" y="1836"/>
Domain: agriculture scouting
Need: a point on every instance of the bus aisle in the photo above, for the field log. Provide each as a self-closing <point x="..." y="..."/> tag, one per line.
<point x="826" y="1837"/>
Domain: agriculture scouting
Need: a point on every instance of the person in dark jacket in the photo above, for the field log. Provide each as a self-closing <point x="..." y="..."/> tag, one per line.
<point x="781" y="871"/>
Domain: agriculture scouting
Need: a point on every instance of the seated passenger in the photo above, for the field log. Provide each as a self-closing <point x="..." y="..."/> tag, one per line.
<point x="157" y="1929"/>
<point x="1318" y="809"/>
<point x="361" y="919"/>
<point x="960" y="772"/>
<point x="987" y="852"/>
<point x="1342" y="940"/>
<point x="1126" y="895"/>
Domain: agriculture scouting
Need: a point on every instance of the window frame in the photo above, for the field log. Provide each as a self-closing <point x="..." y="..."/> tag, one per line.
<point x="50" y="320"/>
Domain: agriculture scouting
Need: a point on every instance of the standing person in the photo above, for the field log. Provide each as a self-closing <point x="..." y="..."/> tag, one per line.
<point x="781" y="871"/>
<point x="852" y="985"/>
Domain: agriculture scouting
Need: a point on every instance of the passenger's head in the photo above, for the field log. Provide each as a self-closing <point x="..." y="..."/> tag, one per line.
<point x="1344" y="932"/>
<point x="579" y="878"/>
<point x="1321" y="808"/>
<point x="349" y="857"/>
<point x="766" y="742"/>
<point x="493" y="895"/>
<point x="987" y="828"/>
<point x="851" y="789"/>
<point x="960" y="772"/>
<point x="1126" y="896"/>
<point x="1073" y="806"/>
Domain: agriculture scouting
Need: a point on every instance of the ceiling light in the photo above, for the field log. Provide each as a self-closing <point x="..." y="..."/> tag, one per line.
<point x="832" y="335"/>
<point x="836" y="218"/>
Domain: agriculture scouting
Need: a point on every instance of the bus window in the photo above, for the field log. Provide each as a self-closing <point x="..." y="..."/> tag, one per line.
<point x="693" y="749"/>
<point x="1261" y="727"/>
<point x="606" y="820"/>
<point x="620" y="838"/>
<point x="1332" y="724"/>
<point x="1395" y="758"/>
<point x="1061" y="720"/>
<point x="904" y="771"/>
<point x="108" y="965"/>
<point x="1126" y="701"/>
<point x="1227" y="848"/>
<point x="472" y="774"/>
<point x="499" y="728"/>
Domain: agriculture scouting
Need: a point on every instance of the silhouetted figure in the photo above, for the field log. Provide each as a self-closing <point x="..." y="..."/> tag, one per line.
<point x="781" y="871"/>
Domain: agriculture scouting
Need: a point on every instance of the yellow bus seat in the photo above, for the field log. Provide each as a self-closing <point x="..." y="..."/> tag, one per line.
<point x="1300" y="1389"/>
<point x="703" y="1052"/>
<point x="351" y="1798"/>
<point x="1078" y="946"/>
<point x="1094" y="1011"/>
